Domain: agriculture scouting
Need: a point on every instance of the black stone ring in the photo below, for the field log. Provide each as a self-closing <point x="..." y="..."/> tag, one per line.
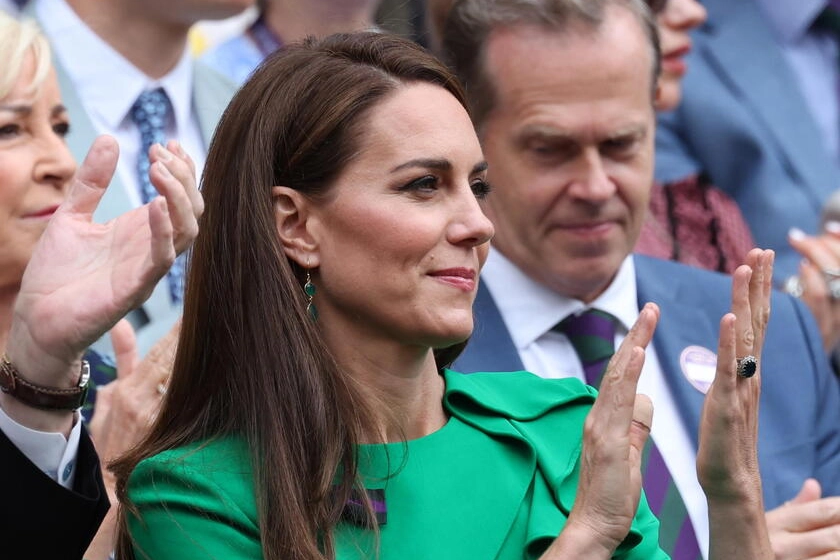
<point x="747" y="366"/>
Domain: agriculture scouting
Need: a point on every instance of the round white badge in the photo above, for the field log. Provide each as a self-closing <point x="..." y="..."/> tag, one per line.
<point x="698" y="365"/>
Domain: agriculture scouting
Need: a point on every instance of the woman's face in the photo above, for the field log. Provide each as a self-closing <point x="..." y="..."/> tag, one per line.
<point x="402" y="238"/>
<point x="675" y="21"/>
<point x="35" y="167"/>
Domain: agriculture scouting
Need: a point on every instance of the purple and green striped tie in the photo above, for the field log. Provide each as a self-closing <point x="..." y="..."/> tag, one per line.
<point x="592" y="334"/>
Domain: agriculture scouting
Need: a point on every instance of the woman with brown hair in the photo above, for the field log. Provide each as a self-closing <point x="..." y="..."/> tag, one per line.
<point x="310" y="414"/>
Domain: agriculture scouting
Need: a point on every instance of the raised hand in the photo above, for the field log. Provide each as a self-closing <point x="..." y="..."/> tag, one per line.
<point x="83" y="277"/>
<point x="615" y="433"/>
<point x="727" y="458"/>
<point x="819" y="279"/>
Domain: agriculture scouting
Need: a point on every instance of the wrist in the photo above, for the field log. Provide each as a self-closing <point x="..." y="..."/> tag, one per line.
<point x="580" y="541"/>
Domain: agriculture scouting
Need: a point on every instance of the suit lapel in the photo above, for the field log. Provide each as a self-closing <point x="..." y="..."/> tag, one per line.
<point x="491" y="347"/>
<point x="211" y="94"/>
<point x="744" y="52"/>
<point x="683" y="322"/>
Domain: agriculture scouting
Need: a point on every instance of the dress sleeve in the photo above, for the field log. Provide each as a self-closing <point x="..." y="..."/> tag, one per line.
<point x="185" y="512"/>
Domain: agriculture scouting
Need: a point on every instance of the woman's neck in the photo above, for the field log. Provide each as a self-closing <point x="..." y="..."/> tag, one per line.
<point x="401" y="385"/>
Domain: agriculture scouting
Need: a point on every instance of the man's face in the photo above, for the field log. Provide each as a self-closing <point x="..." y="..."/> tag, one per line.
<point x="570" y="149"/>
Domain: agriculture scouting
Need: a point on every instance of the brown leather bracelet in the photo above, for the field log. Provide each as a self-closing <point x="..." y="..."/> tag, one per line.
<point x="38" y="396"/>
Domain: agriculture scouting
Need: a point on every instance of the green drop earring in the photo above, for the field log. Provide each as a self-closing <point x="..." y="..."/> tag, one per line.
<point x="309" y="290"/>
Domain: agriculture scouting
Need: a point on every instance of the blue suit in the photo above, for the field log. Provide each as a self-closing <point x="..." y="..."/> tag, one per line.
<point x="744" y="121"/>
<point x="211" y="94"/>
<point x="799" y="434"/>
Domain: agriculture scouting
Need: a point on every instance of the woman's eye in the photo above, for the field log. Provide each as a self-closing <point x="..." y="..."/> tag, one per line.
<point x="9" y="130"/>
<point x="61" y="129"/>
<point x="427" y="184"/>
<point x="481" y="189"/>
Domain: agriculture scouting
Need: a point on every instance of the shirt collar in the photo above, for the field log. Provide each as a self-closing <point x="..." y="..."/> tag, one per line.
<point x="73" y="42"/>
<point x="791" y="18"/>
<point x="530" y="309"/>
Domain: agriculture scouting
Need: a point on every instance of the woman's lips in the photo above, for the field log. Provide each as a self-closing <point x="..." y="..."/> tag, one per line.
<point x="673" y="62"/>
<point x="461" y="278"/>
<point x="46" y="212"/>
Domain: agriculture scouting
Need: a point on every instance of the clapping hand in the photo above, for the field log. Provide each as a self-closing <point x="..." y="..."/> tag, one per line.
<point x="727" y="458"/>
<point x="615" y="433"/>
<point x="83" y="277"/>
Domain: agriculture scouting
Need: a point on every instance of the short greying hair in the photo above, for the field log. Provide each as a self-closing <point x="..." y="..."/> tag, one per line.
<point x="470" y="23"/>
<point x="17" y="40"/>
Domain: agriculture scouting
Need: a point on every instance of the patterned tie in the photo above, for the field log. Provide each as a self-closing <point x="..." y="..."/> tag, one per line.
<point x="150" y="113"/>
<point x="592" y="334"/>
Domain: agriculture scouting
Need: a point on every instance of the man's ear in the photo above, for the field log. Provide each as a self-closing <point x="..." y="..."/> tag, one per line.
<point x="293" y="218"/>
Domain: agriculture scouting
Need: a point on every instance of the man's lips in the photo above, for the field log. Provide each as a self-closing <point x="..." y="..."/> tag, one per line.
<point x="45" y="212"/>
<point x="463" y="278"/>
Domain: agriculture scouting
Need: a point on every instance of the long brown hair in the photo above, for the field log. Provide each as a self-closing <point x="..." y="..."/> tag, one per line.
<point x="250" y="361"/>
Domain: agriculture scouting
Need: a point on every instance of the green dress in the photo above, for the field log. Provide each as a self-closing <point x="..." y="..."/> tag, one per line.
<point x="496" y="482"/>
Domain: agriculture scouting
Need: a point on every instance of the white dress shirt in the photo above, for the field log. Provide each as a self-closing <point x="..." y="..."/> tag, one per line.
<point x="51" y="452"/>
<point x="530" y="310"/>
<point x="108" y="86"/>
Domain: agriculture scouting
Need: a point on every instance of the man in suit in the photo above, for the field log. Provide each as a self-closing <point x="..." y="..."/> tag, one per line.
<point x="760" y="115"/>
<point x="562" y="97"/>
<point x="107" y="55"/>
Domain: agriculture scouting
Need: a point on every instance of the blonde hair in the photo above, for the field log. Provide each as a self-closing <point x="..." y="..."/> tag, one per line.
<point x="17" y="39"/>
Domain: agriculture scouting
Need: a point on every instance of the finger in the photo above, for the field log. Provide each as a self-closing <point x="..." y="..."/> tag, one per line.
<point x="162" y="242"/>
<point x="180" y="206"/>
<point x="814" y="288"/>
<point x="823" y="250"/>
<point x="640" y="427"/>
<point x="618" y="387"/>
<point x="183" y="170"/>
<point x="175" y="147"/>
<point x="741" y="308"/>
<point x="124" y="342"/>
<point x="725" y="372"/>
<point x="760" y="298"/>
<point x="810" y="491"/>
<point x="157" y="366"/>
<point x="808" y="516"/>
<point x="93" y="177"/>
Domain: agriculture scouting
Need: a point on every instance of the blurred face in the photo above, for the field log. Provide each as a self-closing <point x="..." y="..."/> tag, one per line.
<point x="35" y="167"/>
<point x="188" y="12"/>
<point x="570" y="149"/>
<point x="402" y="238"/>
<point x="675" y="21"/>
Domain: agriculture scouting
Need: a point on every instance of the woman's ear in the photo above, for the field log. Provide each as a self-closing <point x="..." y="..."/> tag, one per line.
<point x="293" y="216"/>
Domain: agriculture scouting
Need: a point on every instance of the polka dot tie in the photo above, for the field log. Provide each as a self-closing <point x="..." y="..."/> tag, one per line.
<point x="150" y="113"/>
<point x="592" y="334"/>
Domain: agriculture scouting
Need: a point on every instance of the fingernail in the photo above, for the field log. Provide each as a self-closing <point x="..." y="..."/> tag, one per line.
<point x="163" y="169"/>
<point x="163" y="153"/>
<point x="832" y="227"/>
<point x="176" y="147"/>
<point x="796" y="234"/>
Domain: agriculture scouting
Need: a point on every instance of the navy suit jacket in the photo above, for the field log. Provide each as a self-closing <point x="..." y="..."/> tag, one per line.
<point x="744" y="121"/>
<point x="41" y="519"/>
<point x="799" y="430"/>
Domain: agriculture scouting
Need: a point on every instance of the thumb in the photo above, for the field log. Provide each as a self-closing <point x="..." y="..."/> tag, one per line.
<point x="93" y="176"/>
<point x="125" y="348"/>
<point x="810" y="491"/>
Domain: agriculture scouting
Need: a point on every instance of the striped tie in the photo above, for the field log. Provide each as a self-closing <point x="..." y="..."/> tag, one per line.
<point x="592" y="334"/>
